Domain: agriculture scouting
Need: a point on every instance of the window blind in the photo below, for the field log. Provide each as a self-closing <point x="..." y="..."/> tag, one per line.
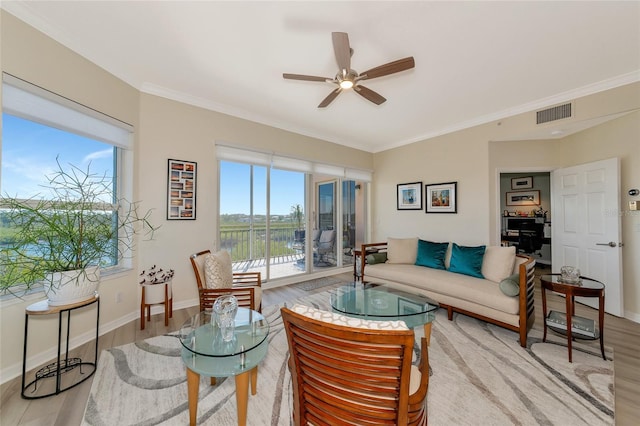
<point x="25" y="100"/>
<point x="242" y="155"/>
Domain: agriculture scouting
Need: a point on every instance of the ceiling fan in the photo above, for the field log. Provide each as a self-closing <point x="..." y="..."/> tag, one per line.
<point x="348" y="78"/>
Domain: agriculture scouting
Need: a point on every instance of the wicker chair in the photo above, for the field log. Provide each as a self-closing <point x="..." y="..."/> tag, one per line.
<point x="354" y="376"/>
<point x="247" y="286"/>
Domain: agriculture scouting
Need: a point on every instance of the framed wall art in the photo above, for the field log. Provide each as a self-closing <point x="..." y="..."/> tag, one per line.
<point x="181" y="190"/>
<point x="523" y="198"/>
<point x="441" y="197"/>
<point x="522" y="183"/>
<point x="409" y="196"/>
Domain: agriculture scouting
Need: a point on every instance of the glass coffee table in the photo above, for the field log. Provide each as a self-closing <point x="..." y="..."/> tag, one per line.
<point x="384" y="303"/>
<point x="204" y="351"/>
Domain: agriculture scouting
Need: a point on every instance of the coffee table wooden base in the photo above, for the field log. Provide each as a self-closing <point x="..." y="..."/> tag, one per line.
<point x="242" y="393"/>
<point x="427" y="332"/>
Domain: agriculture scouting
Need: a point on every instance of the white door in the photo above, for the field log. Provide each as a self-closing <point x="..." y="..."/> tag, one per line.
<point x="586" y="226"/>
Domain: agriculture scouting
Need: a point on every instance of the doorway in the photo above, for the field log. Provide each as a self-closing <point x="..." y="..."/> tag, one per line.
<point x="525" y="213"/>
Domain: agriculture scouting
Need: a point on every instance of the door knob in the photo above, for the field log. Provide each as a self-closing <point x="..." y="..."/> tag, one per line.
<point x="610" y="244"/>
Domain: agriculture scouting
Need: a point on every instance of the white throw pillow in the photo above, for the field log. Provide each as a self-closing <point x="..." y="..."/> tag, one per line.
<point x="346" y="321"/>
<point x="402" y="250"/>
<point x="498" y="262"/>
<point x="218" y="272"/>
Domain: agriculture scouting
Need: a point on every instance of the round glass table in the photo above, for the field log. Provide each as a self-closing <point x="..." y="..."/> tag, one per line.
<point x="204" y="351"/>
<point x="383" y="303"/>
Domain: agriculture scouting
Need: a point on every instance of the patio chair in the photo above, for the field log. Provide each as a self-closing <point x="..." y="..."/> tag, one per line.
<point x="325" y="247"/>
<point x="347" y="375"/>
<point x="246" y="286"/>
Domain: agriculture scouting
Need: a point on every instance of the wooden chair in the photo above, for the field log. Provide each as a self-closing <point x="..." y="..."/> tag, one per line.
<point x="247" y="286"/>
<point x="354" y="376"/>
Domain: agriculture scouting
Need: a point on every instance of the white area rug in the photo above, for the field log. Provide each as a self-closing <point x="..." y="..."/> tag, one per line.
<point x="480" y="375"/>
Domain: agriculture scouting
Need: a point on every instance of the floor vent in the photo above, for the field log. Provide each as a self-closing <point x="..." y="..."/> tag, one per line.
<point x="554" y="113"/>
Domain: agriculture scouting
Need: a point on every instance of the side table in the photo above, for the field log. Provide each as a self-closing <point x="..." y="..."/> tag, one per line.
<point x="156" y="294"/>
<point x="58" y="368"/>
<point x="586" y="287"/>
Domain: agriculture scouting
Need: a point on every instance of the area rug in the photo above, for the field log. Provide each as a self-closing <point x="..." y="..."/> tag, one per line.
<point x="319" y="283"/>
<point x="480" y="375"/>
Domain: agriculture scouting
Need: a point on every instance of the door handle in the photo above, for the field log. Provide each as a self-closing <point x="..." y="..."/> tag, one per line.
<point x="610" y="244"/>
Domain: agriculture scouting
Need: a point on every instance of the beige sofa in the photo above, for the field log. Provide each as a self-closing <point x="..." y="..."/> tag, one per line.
<point x="501" y="293"/>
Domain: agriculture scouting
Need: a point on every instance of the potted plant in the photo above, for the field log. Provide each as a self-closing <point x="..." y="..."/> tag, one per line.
<point x="62" y="238"/>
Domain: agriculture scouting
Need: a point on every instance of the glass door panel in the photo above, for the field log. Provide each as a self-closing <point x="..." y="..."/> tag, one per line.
<point x="324" y="251"/>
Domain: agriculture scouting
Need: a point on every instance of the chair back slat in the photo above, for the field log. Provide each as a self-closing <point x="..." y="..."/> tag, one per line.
<point x="350" y="376"/>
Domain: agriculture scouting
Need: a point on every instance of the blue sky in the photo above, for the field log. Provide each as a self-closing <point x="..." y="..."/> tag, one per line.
<point x="29" y="153"/>
<point x="287" y="189"/>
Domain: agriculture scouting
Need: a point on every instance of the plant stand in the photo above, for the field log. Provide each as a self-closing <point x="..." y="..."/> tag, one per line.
<point x="156" y="294"/>
<point x="61" y="366"/>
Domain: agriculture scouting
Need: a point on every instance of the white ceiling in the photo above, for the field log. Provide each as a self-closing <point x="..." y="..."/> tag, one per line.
<point x="475" y="61"/>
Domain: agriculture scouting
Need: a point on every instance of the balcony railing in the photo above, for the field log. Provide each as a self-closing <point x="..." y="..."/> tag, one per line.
<point x="246" y="243"/>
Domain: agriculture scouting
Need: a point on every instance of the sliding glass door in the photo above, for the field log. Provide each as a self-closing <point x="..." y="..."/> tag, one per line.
<point x="261" y="214"/>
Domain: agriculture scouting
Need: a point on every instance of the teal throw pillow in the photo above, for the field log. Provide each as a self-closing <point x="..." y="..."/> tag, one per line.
<point x="467" y="260"/>
<point x="510" y="286"/>
<point x="431" y="254"/>
<point x="374" y="258"/>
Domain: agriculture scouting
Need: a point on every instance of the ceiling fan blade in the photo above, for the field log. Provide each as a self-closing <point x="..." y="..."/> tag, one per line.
<point x="304" y="77"/>
<point x="330" y="98"/>
<point x="342" y="50"/>
<point x="369" y="94"/>
<point x="390" y="68"/>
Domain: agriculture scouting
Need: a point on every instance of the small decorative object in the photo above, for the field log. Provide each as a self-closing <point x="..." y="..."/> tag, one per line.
<point x="155" y="275"/>
<point x="225" y="309"/>
<point x="570" y="274"/>
<point x="442" y="197"/>
<point x="523" y="198"/>
<point x="522" y="183"/>
<point x="409" y="196"/>
<point x="181" y="190"/>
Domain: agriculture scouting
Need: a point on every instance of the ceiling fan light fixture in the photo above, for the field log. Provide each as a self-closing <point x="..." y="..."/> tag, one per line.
<point x="346" y="84"/>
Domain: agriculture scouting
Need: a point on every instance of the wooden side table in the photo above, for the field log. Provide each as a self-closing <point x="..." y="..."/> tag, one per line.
<point x="61" y="366"/>
<point x="156" y="294"/>
<point x="586" y="287"/>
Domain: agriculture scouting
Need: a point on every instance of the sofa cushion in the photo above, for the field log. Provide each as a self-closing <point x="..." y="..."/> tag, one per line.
<point x="467" y="260"/>
<point x="402" y="250"/>
<point x="374" y="258"/>
<point x="218" y="271"/>
<point x="497" y="263"/>
<point x="431" y="254"/>
<point x="510" y="286"/>
<point x="436" y="282"/>
<point x="346" y="321"/>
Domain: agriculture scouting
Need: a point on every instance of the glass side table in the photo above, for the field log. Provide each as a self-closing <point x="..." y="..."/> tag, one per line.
<point x="205" y="352"/>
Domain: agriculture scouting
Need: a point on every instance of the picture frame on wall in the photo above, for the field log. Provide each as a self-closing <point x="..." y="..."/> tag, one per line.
<point x="409" y="196"/>
<point x="441" y="197"/>
<point x="523" y="198"/>
<point x="522" y="183"/>
<point x="181" y="190"/>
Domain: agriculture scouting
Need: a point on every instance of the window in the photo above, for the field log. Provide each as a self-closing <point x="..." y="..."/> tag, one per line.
<point x="41" y="130"/>
<point x="274" y="210"/>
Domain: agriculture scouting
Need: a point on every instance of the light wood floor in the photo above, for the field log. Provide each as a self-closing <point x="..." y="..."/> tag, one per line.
<point x="67" y="408"/>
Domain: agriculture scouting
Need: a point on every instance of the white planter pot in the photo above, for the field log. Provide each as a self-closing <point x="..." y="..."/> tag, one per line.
<point x="154" y="293"/>
<point x="64" y="288"/>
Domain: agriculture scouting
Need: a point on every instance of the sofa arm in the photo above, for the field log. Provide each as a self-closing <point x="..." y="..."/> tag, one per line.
<point x="526" y="296"/>
<point x="366" y="249"/>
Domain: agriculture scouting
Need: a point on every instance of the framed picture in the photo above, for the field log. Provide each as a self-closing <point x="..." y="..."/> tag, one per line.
<point x="522" y="183"/>
<point x="181" y="190"/>
<point x="523" y="198"/>
<point x="441" y="198"/>
<point x="410" y="196"/>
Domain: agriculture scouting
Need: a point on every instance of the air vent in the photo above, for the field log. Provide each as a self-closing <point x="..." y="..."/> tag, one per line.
<point x="554" y="113"/>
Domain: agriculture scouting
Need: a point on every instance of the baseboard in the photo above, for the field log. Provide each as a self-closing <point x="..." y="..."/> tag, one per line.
<point x="15" y="370"/>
